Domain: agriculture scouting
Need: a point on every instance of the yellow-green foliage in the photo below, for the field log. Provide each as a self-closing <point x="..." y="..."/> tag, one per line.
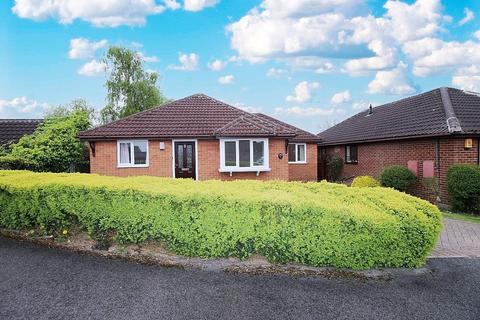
<point x="365" y="181"/>
<point x="319" y="224"/>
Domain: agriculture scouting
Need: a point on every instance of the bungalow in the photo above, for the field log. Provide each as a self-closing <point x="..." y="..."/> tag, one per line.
<point x="11" y="130"/>
<point x="426" y="133"/>
<point x="202" y="138"/>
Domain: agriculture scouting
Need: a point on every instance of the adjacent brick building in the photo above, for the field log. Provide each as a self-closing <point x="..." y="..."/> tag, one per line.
<point x="426" y="133"/>
<point x="202" y="138"/>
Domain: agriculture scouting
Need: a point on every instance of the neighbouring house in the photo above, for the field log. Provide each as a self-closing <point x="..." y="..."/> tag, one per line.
<point x="426" y="133"/>
<point x="11" y="130"/>
<point x="202" y="138"/>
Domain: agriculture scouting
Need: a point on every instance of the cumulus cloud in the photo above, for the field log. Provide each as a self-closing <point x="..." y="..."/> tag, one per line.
<point x="276" y="73"/>
<point x="92" y="68"/>
<point x="145" y="58"/>
<point x="81" y="48"/>
<point x="313" y="63"/>
<point x="431" y="56"/>
<point x="393" y="81"/>
<point x="217" y="65"/>
<point x="110" y="13"/>
<point x="247" y="108"/>
<point x="469" y="16"/>
<point x="303" y="91"/>
<point x="467" y="78"/>
<point x="188" y="62"/>
<point x="306" y="112"/>
<point x="22" y="107"/>
<point x="227" y="79"/>
<point x="198" y="5"/>
<point x="476" y="34"/>
<point x="330" y="28"/>
<point x="340" y="97"/>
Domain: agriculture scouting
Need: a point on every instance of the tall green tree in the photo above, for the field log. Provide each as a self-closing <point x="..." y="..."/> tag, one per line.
<point x="54" y="145"/>
<point x="130" y="88"/>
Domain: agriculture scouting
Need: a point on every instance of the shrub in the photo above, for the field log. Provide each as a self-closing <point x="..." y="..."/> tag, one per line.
<point x="318" y="224"/>
<point x="334" y="168"/>
<point x="9" y="162"/>
<point x="463" y="183"/>
<point x="397" y="177"/>
<point x="365" y="181"/>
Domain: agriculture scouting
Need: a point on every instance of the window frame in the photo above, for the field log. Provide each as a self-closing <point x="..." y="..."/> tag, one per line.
<point x="347" y="160"/>
<point x="252" y="167"/>
<point x="296" y="153"/>
<point x="132" y="154"/>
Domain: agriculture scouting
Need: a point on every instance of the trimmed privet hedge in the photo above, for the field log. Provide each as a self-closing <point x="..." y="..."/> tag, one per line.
<point x="319" y="224"/>
<point x="463" y="182"/>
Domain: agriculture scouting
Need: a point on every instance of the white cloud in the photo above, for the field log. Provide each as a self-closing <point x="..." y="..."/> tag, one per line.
<point x="227" y="79"/>
<point x="477" y="34"/>
<point x="386" y="58"/>
<point x="145" y="58"/>
<point x="467" y="78"/>
<point x="172" y="4"/>
<point x="303" y="91"/>
<point x="198" y="5"/>
<point x="246" y="108"/>
<point x="306" y="112"/>
<point x="469" y="16"/>
<point x="440" y="56"/>
<point x="340" y="97"/>
<point x="81" y="48"/>
<point x="317" y="64"/>
<point x="276" y="73"/>
<point x="92" y="68"/>
<point x="188" y="62"/>
<point x="329" y="28"/>
<point x="22" y="107"/>
<point x="217" y="65"/>
<point x="110" y="13"/>
<point x="393" y="81"/>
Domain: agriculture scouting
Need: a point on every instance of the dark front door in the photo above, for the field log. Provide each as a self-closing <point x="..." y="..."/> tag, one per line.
<point x="322" y="163"/>
<point x="185" y="159"/>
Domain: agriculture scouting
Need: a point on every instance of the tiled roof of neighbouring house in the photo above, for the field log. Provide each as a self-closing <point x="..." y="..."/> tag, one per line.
<point x="11" y="130"/>
<point x="440" y="112"/>
<point x="195" y="116"/>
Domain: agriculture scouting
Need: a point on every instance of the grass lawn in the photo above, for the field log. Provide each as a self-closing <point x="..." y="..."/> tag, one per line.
<point x="461" y="216"/>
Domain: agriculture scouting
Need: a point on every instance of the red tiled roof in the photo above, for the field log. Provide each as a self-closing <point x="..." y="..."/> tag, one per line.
<point x="198" y="116"/>
<point x="11" y="130"/>
<point x="440" y="112"/>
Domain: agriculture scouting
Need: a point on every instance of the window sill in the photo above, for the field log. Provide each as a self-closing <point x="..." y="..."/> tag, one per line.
<point x="298" y="162"/>
<point x="133" y="166"/>
<point x="351" y="162"/>
<point x="250" y="169"/>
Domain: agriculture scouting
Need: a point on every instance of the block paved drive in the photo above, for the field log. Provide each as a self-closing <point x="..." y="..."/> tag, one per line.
<point x="458" y="239"/>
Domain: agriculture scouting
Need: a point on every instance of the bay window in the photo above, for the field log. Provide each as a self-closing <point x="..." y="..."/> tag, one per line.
<point x="237" y="154"/>
<point x="297" y="153"/>
<point x="132" y="153"/>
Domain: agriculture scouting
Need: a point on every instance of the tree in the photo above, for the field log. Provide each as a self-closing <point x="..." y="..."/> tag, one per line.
<point x="54" y="146"/>
<point x="130" y="88"/>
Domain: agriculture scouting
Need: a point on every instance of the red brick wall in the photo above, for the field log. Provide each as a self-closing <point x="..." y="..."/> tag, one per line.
<point x="105" y="160"/>
<point x="160" y="162"/>
<point x="373" y="157"/>
<point x="305" y="171"/>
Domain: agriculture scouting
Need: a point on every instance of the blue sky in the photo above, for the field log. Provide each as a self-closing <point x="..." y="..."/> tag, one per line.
<point x="311" y="63"/>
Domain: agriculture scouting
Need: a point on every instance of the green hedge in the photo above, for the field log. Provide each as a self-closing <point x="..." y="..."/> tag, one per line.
<point x="463" y="183"/>
<point x="365" y="182"/>
<point x="397" y="177"/>
<point x="319" y="224"/>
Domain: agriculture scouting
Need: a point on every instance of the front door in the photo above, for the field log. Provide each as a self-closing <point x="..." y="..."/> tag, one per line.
<point x="185" y="159"/>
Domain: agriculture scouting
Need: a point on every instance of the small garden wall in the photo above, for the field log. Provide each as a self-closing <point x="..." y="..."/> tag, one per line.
<point x="317" y="224"/>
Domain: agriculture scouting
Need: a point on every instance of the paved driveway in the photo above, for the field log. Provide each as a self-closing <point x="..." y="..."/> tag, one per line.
<point x="458" y="239"/>
<point x="42" y="283"/>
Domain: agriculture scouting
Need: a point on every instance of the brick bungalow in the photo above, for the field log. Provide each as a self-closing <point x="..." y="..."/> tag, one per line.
<point x="426" y="133"/>
<point x="202" y="138"/>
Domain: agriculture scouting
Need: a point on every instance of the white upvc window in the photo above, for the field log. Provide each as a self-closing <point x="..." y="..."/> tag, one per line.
<point x="243" y="154"/>
<point x="297" y="153"/>
<point x="132" y="153"/>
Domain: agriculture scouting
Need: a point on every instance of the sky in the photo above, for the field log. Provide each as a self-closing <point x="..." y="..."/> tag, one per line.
<point x="311" y="63"/>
